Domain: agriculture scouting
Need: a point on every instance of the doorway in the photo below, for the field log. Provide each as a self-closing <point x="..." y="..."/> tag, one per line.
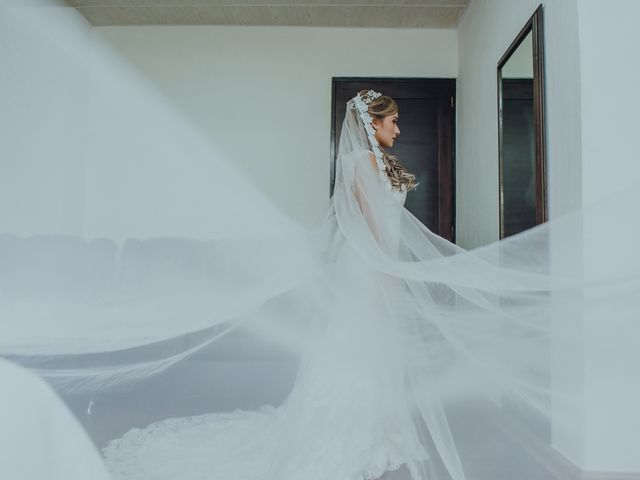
<point x="425" y="145"/>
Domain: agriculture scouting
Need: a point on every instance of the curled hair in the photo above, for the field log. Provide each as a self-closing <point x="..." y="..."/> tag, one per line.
<point x="381" y="107"/>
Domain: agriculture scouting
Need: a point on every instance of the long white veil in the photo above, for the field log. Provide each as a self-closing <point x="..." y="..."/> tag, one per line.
<point x="498" y="355"/>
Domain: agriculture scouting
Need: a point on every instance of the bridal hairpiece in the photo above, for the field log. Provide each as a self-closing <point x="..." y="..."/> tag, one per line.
<point x="362" y="105"/>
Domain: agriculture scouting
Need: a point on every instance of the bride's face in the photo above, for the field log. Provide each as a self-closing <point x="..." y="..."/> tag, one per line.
<point x="386" y="129"/>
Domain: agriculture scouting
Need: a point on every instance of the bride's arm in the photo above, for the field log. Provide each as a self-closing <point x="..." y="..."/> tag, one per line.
<point x="365" y="208"/>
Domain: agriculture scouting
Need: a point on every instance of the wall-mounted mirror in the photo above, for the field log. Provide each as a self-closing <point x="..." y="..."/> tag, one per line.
<point x="522" y="169"/>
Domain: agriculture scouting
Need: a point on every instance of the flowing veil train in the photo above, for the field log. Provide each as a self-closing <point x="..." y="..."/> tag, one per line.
<point x="383" y="344"/>
<point x="362" y="345"/>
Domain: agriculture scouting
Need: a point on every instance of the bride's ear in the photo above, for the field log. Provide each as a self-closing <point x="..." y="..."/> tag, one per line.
<point x="375" y="123"/>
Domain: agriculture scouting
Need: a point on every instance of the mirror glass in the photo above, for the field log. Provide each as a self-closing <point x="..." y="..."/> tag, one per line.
<point x="522" y="173"/>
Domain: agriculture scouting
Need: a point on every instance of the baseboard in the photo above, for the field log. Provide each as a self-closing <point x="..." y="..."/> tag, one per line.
<point x="559" y="466"/>
<point x="610" y="476"/>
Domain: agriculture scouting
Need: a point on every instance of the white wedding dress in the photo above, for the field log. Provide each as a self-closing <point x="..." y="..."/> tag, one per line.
<point x="348" y="416"/>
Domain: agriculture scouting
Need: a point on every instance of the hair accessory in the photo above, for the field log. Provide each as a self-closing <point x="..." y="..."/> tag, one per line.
<point x="362" y="105"/>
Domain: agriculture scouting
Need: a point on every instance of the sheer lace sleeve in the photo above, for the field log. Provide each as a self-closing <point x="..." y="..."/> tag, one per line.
<point x="364" y="206"/>
<point x="359" y="191"/>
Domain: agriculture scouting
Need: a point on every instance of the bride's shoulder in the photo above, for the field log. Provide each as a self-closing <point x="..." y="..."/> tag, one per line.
<point x="373" y="160"/>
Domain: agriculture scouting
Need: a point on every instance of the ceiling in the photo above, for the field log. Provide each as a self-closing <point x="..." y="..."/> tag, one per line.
<point x="307" y="13"/>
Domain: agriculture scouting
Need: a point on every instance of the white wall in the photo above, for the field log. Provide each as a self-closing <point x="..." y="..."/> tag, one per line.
<point x="591" y="123"/>
<point x="262" y="95"/>
<point x="610" y="75"/>
<point x="129" y="141"/>
<point x="610" y="72"/>
<point x="484" y="35"/>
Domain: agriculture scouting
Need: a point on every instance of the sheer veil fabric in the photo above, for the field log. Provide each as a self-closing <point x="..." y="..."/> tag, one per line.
<point x="32" y="415"/>
<point x="362" y="345"/>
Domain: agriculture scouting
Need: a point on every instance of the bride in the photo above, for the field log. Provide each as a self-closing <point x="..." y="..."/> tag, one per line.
<point x="364" y="345"/>
<point x="349" y="414"/>
<point x="397" y="334"/>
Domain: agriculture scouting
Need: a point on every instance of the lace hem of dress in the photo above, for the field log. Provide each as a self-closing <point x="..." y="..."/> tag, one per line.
<point x="236" y="445"/>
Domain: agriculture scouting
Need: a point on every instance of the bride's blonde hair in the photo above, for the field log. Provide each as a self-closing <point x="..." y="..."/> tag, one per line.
<point x="381" y="107"/>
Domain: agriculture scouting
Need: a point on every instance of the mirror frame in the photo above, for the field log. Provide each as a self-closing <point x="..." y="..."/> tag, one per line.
<point x="535" y="26"/>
